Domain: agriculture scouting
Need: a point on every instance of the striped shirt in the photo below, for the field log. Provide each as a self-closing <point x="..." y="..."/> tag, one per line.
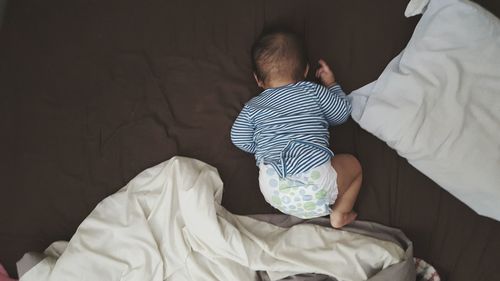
<point x="287" y="127"/>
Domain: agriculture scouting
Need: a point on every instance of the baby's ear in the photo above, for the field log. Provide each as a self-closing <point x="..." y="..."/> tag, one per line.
<point x="259" y="83"/>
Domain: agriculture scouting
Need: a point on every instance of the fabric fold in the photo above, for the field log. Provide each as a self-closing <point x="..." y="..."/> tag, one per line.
<point x="168" y="224"/>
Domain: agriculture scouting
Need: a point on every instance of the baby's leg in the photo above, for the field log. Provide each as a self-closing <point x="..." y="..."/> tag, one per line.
<point x="349" y="177"/>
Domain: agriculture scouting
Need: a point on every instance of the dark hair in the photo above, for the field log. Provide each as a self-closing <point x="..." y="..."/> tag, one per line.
<point x="279" y="52"/>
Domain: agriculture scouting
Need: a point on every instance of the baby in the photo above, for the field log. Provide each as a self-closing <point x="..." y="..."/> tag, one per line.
<point x="286" y="127"/>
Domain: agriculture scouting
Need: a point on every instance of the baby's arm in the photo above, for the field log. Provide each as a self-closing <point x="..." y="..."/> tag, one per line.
<point x="325" y="74"/>
<point x="332" y="99"/>
<point x="242" y="132"/>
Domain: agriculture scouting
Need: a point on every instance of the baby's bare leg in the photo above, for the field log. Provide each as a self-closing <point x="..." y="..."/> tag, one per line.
<point x="349" y="178"/>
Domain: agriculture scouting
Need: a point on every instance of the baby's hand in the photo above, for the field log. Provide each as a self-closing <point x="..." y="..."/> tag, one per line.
<point x="325" y="74"/>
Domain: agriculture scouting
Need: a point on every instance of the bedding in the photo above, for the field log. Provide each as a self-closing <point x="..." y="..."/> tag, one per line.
<point x="93" y="92"/>
<point x="168" y="224"/>
<point x="405" y="270"/>
<point x="438" y="102"/>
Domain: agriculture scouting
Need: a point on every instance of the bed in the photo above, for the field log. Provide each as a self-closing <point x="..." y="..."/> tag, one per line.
<point x="93" y="92"/>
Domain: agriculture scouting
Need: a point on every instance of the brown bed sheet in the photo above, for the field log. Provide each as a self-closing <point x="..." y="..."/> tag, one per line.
<point x="92" y="92"/>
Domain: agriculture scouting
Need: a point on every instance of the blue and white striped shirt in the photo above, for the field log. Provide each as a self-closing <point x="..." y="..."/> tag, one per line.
<point x="287" y="127"/>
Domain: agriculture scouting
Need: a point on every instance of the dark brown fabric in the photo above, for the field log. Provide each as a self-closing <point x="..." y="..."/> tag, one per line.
<point x="94" y="91"/>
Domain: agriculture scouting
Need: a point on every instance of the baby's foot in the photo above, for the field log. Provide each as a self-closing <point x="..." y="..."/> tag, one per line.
<point x="338" y="220"/>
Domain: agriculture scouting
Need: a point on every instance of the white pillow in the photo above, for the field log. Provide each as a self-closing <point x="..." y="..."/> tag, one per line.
<point x="438" y="102"/>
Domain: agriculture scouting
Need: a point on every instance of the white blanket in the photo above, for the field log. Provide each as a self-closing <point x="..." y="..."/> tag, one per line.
<point x="438" y="102"/>
<point x="168" y="224"/>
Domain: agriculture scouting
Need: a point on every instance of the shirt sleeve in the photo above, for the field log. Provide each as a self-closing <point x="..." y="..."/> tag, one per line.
<point x="242" y="132"/>
<point x="334" y="104"/>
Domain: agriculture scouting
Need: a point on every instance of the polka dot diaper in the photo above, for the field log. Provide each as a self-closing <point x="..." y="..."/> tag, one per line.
<point x="305" y="195"/>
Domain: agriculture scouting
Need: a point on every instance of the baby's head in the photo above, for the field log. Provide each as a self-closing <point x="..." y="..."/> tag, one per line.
<point x="279" y="58"/>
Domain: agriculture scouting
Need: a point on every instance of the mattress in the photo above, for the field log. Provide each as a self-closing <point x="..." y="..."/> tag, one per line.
<point x="93" y="92"/>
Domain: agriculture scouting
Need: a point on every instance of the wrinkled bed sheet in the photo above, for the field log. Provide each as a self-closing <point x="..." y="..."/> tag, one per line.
<point x="93" y="92"/>
<point x="167" y="224"/>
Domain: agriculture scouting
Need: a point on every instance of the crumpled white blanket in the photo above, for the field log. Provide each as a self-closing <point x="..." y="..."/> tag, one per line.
<point x="168" y="224"/>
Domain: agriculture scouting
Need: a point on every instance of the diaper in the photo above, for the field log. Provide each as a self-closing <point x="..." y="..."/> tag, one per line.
<point x="304" y="195"/>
